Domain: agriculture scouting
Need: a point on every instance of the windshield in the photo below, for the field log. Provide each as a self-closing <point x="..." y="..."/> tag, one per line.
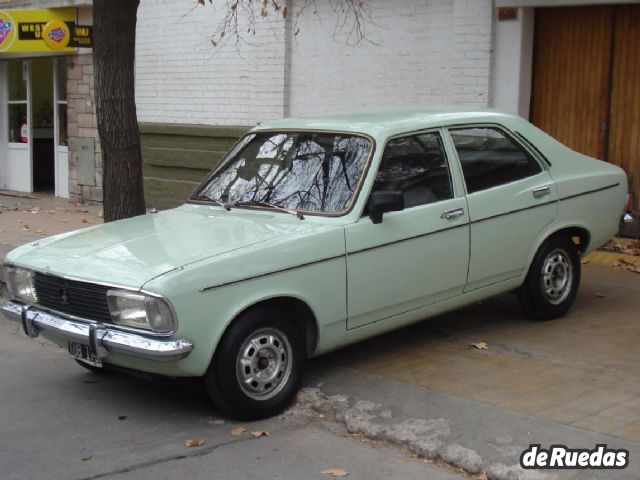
<point x="313" y="172"/>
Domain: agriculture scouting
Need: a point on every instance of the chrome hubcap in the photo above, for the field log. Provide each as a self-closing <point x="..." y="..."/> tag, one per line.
<point x="557" y="276"/>
<point x="264" y="363"/>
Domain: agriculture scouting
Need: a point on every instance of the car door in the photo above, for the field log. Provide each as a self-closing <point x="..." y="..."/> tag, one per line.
<point x="511" y="198"/>
<point x="418" y="255"/>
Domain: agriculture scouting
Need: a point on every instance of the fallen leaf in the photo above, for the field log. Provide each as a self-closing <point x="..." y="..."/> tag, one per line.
<point x="194" y="442"/>
<point x="259" y="434"/>
<point x="85" y="459"/>
<point x="600" y="295"/>
<point x="631" y="265"/>
<point x="35" y="210"/>
<point x="19" y="221"/>
<point x="26" y="228"/>
<point x="479" y="345"/>
<point x="85" y="220"/>
<point x="237" y="431"/>
<point x="630" y="247"/>
<point x="335" y="472"/>
<point x="51" y="212"/>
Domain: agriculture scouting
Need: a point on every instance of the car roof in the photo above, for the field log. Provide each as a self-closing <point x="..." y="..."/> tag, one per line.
<point x="387" y="123"/>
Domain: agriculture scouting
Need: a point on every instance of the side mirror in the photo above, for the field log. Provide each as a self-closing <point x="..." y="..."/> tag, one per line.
<point x="384" y="201"/>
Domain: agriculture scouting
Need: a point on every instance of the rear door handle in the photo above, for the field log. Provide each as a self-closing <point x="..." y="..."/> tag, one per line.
<point x="541" y="191"/>
<point x="449" y="214"/>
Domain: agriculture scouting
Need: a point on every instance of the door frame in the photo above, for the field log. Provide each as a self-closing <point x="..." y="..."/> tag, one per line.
<point x="60" y="152"/>
<point x="17" y="149"/>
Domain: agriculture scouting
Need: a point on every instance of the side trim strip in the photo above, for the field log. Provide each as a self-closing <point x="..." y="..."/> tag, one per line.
<point x="466" y="224"/>
<point x="253" y="277"/>
<point x="590" y="191"/>
<point x="514" y="211"/>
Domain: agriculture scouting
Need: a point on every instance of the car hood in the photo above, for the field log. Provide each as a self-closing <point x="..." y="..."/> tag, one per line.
<point x="131" y="252"/>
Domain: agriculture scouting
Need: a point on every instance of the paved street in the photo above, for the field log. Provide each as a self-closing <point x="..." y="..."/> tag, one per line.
<point x="573" y="381"/>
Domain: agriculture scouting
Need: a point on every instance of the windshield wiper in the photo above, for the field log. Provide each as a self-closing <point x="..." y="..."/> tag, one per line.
<point x="222" y="204"/>
<point x="258" y="203"/>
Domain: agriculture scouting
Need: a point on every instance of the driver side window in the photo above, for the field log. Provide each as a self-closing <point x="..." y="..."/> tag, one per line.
<point x="415" y="165"/>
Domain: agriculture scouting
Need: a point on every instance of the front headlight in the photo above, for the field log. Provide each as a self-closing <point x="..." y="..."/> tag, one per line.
<point x="20" y="284"/>
<point x="134" y="309"/>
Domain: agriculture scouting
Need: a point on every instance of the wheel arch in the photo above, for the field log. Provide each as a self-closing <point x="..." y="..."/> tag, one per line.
<point x="299" y="308"/>
<point x="578" y="234"/>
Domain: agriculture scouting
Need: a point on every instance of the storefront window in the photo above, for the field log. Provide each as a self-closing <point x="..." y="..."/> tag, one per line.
<point x="17" y="81"/>
<point x="61" y="77"/>
<point x="18" y="122"/>
<point x="18" y="127"/>
<point x="62" y="124"/>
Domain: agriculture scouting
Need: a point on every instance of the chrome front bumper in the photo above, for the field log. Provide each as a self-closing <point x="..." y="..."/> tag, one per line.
<point x="101" y="339"/>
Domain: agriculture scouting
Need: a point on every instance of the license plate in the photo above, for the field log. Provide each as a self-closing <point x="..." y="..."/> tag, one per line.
<point x="83" y="353"/>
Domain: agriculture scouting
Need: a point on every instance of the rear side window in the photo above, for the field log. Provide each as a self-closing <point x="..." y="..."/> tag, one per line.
<point x="417" y="166"/>
<point x="490" y="158"/>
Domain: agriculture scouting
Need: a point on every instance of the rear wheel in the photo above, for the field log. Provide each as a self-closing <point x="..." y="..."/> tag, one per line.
<point x="259" y="364"/>
<point x="552" y="283"/>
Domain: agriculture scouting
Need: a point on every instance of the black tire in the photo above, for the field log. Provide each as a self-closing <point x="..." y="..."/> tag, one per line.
<point x="276" y="367"/>
<point x="91" y="368"/>
<point x="553" y="279"/>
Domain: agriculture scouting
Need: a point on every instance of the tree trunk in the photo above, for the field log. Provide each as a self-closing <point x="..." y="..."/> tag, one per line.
<point x="114" y="40"/>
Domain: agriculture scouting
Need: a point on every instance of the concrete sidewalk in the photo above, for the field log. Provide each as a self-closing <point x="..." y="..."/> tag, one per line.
<point x="25" y="218"/>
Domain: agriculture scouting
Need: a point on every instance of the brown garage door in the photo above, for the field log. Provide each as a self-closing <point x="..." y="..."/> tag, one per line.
<point x="586" y="82"/>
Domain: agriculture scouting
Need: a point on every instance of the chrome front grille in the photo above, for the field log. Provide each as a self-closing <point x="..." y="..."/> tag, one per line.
<point x="80" y="299"/>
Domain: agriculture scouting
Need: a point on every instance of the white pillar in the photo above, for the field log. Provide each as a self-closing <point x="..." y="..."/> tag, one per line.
<point x="3" y="125"/>
<point x="512" y="63"/>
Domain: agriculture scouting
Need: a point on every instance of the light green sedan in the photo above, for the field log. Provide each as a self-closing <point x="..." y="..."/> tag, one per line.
<point x="316" y="233"/>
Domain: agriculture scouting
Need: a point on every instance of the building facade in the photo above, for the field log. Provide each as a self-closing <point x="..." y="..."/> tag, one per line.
<point x="570" y="66"/>
<point x="48" y="136"/>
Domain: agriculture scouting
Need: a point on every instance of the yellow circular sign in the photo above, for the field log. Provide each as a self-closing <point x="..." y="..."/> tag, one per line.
<point x="8" y="30"/>
<point x="56" y="35"/>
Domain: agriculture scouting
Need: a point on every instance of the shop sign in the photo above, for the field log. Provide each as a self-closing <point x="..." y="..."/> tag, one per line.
<point x="49" y="30"/>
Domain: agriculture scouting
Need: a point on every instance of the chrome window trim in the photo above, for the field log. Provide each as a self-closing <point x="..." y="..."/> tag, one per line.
<point x="510" y="135"/>
<point x="356" y="192"/>
<point x="437" y="131"/>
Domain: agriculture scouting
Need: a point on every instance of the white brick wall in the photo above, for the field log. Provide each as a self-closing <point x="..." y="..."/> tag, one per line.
<point x="425" y="53"/>
<point x="182" y="78"/>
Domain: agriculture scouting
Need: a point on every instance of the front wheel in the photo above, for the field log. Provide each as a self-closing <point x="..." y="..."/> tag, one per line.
<point x="259" y="365"/>
<point x="552" y="283"/>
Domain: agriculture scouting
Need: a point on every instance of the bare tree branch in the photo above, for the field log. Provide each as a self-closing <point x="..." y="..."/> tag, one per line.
<point x="242" y="17"/>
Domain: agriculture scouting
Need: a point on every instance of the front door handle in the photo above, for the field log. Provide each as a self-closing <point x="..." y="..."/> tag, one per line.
<point x="449" y="214"/>
<point x="541" y="191"/>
